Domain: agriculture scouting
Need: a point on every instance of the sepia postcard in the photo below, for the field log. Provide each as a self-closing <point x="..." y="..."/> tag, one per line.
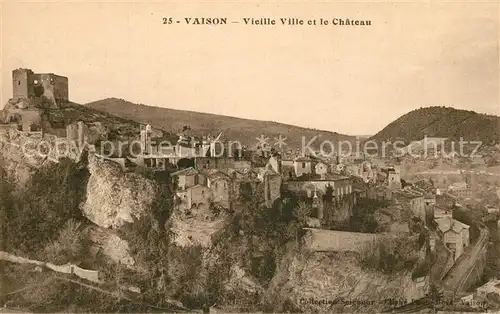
<point x="249" y="157"/>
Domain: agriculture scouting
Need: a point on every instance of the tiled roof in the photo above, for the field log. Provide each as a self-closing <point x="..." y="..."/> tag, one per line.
<point x="325" y="177"/>
<point x="302" y="159"/>
<point x="215" y="174"/>
<point x="448" y="223"/>
<point x="185" y="171"/>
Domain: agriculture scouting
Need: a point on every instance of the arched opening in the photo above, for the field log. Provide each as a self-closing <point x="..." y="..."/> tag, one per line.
<point x="14" y="118"/>
<point x="38" y="89"/>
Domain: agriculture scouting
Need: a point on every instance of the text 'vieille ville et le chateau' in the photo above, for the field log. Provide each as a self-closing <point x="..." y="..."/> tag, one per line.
<point x="267" y="21"/>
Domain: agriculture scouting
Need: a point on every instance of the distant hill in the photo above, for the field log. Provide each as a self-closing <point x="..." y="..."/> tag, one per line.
<point x="237" y="129"/>
<point x="442" y="122"/>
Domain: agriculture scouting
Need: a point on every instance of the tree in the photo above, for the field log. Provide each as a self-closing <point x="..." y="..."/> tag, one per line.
<point x="434" y="296"/>
<point x="301" y="213"/>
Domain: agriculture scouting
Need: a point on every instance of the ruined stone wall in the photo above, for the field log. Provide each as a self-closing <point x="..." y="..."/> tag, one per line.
<point x="22" y="83"/>
<point x="55" y="87"/>
<point x="272" y="189"/>
<point x="61" y="88"/>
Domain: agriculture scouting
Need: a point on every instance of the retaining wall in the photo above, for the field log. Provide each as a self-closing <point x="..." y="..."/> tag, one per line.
<point x="320" y="240"/>
<point x="91" y="275"/>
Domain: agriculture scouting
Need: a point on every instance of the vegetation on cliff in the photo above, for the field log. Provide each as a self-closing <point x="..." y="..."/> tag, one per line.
<point x="391" y="254"/>
<point x="363" y="217"/>
<point x="36" y="217"/>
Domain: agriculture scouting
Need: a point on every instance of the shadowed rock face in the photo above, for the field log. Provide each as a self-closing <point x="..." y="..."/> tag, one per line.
<point x="111" y="245"/>
<point x="334" y="276"/>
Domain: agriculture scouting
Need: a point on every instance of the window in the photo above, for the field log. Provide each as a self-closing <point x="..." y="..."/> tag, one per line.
<point x="303" y="165"/>
<point x="18" y="82"/>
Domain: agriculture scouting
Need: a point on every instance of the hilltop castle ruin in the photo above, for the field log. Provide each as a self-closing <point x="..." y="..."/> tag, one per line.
<point x="27" y="85"/>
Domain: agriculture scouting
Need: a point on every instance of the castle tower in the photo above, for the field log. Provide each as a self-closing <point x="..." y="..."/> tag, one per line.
<point x="53" y="87"/>
<point x="22" y="83"/>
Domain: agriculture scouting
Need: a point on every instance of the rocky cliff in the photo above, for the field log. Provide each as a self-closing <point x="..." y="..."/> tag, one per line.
<point x="19" y="162"/>
<point x="115" y="197"/>
<point x="334" y="282"/>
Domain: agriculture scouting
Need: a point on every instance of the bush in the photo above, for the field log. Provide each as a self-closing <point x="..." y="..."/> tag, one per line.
<point x="363" y="219"/>
<point x="70" y="247"/>
<point x="35" y="218"/>
<point x="390" y="255"/>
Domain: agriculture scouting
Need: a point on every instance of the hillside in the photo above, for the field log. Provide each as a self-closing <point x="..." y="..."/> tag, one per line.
<point x="73" y="112"/>
<point x="244" y="130"/>
<point x="442" y="122"/>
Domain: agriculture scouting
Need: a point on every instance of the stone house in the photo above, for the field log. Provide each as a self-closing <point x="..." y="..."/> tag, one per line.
<point x="414" y="201"/>
<point x="236" y="178"/>
<point x="220" y="186"/>
<point x="320" y="168"/>
<point x="460" y="189"/>
<point x="188" y="177"/>
<point x="455" y="235"/>
<point x="215" y="163"/>
<point x="272" y="187"/>
<point x="314" y="187"/>
<point x="302" y="165"/>
<point x="287" y="169"/>
<point x="392" y="177"/>
<point x="195" y="197"/>
<point x="269" y="181"/>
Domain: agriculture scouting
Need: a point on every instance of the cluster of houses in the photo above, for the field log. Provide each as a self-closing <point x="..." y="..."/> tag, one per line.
<point x="219" y="181"/>
<point x="421" y="199"/>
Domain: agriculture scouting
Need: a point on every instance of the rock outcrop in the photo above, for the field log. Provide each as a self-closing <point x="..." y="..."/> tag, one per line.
<point x="18" y="158"/>
<point x="334" y="282"/>
<point x="111" y="245"/>
<point x="115" y="197"/>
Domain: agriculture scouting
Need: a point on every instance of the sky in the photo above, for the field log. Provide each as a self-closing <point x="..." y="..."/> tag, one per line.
<point x="352" y="80"/>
